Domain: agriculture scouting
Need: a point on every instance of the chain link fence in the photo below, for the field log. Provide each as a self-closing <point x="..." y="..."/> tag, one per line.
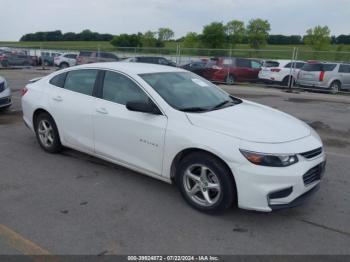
<point x="264" y="67"/>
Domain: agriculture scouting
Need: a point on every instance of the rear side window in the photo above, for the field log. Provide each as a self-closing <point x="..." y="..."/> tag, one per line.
<point x="299" y="65"/>
<point x="81" y="81"/>
<point x="318" y="67"/>
<point x="344" y="69"/>
<point x="271" y="64"/>
<point x="255" y="64"/>
<point x="329" y="67"/>
<point x="108" y="55"/>
<point x="58" y="80"/>
<point x="72" y="56"/>
<point x="85" y="53"/>
<point x="120" y="89"/>
<point x="243" y="63"/>
<point x="312" y="67"/>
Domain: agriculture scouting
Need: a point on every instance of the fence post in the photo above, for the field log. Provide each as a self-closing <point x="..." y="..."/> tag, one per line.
<point x="179" y="55"/>
<point x="291" y="71"/>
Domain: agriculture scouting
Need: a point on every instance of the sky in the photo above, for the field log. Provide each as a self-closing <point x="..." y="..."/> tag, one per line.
<point x="287" y="17"/>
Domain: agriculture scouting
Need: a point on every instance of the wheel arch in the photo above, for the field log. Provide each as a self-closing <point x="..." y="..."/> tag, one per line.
<point x="185" y="152"/>
<point x="37" y="112"/>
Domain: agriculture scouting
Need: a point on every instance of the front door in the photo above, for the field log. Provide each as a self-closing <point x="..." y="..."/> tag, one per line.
<point x="127" y="137"/>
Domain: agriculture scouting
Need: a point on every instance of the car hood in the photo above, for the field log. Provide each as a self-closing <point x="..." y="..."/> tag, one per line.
<point x="252" y="122"/>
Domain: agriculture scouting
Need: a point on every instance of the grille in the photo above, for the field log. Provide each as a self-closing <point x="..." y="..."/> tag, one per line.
<point x="2" y="86"/>
<point x="312" y="153"/>
<point x="4" y="101"/>
<point x="314" y="174"/>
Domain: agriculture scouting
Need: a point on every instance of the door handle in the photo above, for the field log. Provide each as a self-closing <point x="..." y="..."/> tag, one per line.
<point x="102" y="111"/>
<point x="58" y="98"/>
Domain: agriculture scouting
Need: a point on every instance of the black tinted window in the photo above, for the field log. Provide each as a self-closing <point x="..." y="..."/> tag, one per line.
<point x="120" y="89"/>
<point x="271" y="64"/>
<point x="299" y="65"/>
<point x="71" y="56"/>
<point x="329" y="67"/>
<point x="108" y="55"/>
<point x="85" y="53"/>
<point x="243" y="63"/>
<point x="58" y="80"/>
<point x="81" y="81"/>
<point x="312" y="67"/>
<point x="145" y="59"/>
<point x="344" y="69"/>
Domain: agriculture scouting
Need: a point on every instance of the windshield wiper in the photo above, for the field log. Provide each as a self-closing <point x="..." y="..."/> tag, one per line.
<point x="194" y="109"/>
<point x="220" y="105"/>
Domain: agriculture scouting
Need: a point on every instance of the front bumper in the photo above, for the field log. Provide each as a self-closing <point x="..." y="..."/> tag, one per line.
<point x="5" y="101"/>
<point x="269" y="188"/>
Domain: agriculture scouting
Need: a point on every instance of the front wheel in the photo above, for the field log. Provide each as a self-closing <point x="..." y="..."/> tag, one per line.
<point x="229" y="80"/>
<point x="47" y="133"/>
<point x="64" y="65"/>
<point x="205" y="183"/>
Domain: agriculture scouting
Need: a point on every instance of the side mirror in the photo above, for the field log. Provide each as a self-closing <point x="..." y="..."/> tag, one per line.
<point x="144" y="107"/>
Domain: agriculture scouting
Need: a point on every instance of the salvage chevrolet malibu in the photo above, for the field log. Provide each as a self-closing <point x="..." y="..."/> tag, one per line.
<point x="175" y="126"/>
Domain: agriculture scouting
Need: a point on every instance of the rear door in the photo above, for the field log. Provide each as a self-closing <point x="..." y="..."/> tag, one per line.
<point x="344" y="72"/>
<point x="72" y="106"/>
<point x="244" y="70"/>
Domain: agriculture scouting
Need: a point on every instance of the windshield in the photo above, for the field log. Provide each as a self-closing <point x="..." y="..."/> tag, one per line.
<point x="186" y="91"/>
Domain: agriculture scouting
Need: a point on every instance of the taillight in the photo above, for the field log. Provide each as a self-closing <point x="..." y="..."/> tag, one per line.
<point x="321" y="76"/>
<point x="276" y="70"/>
<point x="24" y="90"/>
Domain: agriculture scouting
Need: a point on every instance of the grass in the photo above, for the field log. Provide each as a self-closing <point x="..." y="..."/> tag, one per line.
<point x="241" y="50"/>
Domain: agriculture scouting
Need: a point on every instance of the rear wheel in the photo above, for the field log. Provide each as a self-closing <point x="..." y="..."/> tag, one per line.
<point x="205" y="183"/>
<point x="64" y="65"/>
<point x="335" y="87"/>
<point x="285" y="81"/>
<point x="229" y="80"/>
<point x="47" y="133"/>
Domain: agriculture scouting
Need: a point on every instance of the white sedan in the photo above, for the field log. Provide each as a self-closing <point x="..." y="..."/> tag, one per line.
<point x="175" y="126"/>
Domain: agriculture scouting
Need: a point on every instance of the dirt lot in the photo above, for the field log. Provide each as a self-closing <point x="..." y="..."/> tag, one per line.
<point x="72" y="203"/>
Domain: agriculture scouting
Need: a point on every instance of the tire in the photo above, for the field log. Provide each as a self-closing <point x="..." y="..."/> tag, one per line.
<point x="335" y="87"/>
<point x="286" y="81"/>
<point x="229" y="80"/>
<point x="5" y="108"/>
<point x="64" y="65"/>
<point x="46" y="63"/>
<point x="47" y="133"/>
<point x="211" y="182"/>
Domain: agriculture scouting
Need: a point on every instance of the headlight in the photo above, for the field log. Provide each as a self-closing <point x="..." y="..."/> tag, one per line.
<point x="274" y="160"/>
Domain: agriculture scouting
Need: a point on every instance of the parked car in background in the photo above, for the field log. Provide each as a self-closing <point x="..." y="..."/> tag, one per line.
<point x="175" y="126"/>
<point x="196" y="67"/>
<point x="151" y="60"/>
<point x="5" y="94"/>
<point x="88" y="57"/>
<point x="324" y="75"/>
<point x="8" y="59"/>
<point x="230" y="70"/>
<point x="65" y="60"/>
<point x="48" y="58"/>
<point x="279" y="71"/>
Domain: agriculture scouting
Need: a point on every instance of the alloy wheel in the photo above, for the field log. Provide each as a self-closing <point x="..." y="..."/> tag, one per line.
<point x="46" y="134"/>
<point x="202" y="185"/>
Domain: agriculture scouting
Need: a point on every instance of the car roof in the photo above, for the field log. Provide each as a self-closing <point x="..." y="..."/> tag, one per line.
<point x="132" y="68"/>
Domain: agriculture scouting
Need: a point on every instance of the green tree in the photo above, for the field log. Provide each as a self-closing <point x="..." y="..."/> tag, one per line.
<point x="258" y="32"/>
<point x="318" y="38"/>
<point x="214" y="35"/>
<point x="125" y="40"/>
<point x="235" y="32"/>
<point x="165" y="34"/>
<point x="191" y="40"/>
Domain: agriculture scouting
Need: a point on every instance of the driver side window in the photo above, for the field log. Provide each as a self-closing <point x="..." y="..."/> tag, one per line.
<point x="120" y="89"/>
